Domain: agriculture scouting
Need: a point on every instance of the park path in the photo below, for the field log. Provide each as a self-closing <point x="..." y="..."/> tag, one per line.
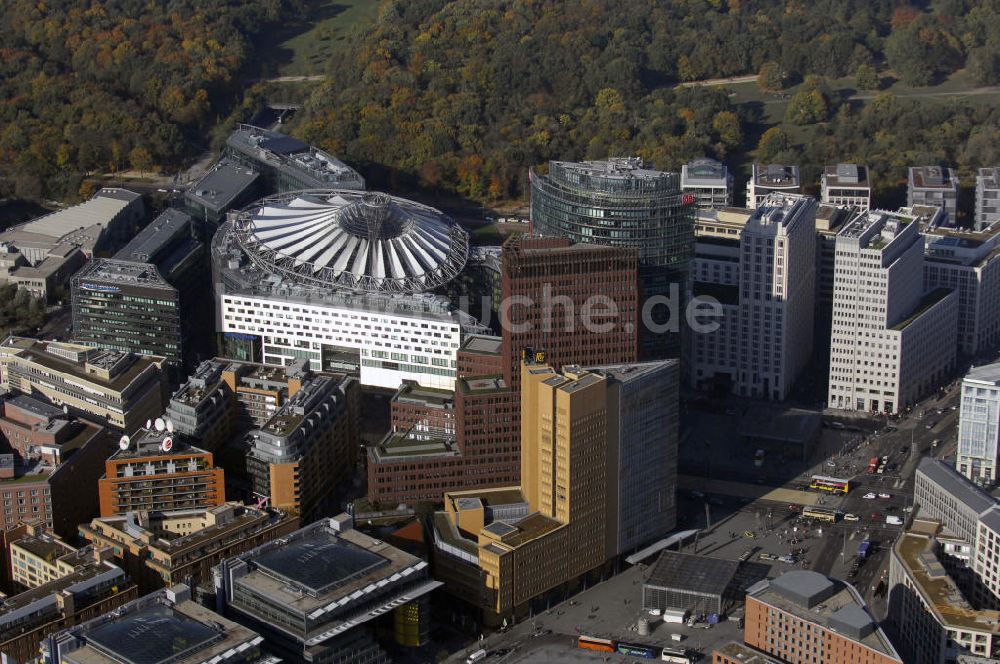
<point x="293" y="79"/>
<point x="708" y="82"/>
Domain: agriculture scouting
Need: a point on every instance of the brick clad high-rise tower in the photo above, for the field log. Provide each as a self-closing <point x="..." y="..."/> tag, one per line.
<point x="577" y="304"/>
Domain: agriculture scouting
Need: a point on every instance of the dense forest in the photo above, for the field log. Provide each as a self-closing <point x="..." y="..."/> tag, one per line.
<point x="105" y="85"/>
<point x="467" y="94"/>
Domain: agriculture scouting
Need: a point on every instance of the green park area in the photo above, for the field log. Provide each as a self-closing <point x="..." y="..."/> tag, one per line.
<point x="306" y="45"/>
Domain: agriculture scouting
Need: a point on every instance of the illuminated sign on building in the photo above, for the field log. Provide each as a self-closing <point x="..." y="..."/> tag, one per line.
<point x="101" y="288"/>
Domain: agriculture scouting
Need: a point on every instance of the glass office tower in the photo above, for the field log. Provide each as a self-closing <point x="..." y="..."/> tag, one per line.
<point x="620" y="203"/>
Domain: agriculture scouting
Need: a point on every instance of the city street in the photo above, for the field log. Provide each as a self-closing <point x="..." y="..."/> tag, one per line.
<point x="745" y="524"/>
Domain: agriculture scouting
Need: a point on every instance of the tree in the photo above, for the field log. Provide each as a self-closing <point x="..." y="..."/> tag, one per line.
<point x="922" y="50"/>
<point x="773" y="142"/>
<point x="28" y="187"/>
<point x="496" y="187"/>
<point x="807" y="108"/>
<point x="865" y="77"/>
<point x="727" y="125"/>
<point x="772" y="76"/>
<point x="87" y="190"/>
<point x="140" y="158"/>
<point x="984" y="65"/>
<point x="609" y="102"/>
<point x="686" y="70"/>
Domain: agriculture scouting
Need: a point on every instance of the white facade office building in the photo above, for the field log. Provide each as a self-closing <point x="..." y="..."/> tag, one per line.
<point x="891" y="342"/>
<point x="846" y="184"/>
<point x="967" y="262"/>
<point x="979" y="425"/>
<point x="709" y="181"/>
<point x="987" y="197"/>
<point x="341" y="278"/>
<point x="935" y="186"/>
<point x="764" y="281"/>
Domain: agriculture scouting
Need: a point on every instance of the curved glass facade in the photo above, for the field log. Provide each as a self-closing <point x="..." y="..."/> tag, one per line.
<point x="616" y="203"/>
<point x="619" y="203"/>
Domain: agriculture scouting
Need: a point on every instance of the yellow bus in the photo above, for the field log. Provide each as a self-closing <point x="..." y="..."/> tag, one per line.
<point x="820" y="514"/>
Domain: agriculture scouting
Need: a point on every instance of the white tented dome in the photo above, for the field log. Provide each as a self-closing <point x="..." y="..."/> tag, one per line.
<point x="361" y="241"/>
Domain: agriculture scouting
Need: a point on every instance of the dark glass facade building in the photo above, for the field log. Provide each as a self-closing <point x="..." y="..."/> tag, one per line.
<point x="150" y="298"/>
<point x="127" y="306"/>
<point x="620" y="203"/>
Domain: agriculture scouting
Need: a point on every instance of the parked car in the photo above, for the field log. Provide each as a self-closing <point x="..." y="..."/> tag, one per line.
<point x="851" y="517"/>
<point x="869" y="496"/>
<point x="884" y="496"/>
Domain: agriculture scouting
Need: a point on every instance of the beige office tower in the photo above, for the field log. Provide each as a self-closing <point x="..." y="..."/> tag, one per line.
<point x="591" y="488"/>
<point x="563" y="453"/>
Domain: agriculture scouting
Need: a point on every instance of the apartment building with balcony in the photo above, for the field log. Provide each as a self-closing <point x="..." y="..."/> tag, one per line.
<point x="846" y="185"/>
<point x="49" y="464"/>
<point x="159" y="471"/>
<point x="766" y="179"/>
<point x="935" y="186"/>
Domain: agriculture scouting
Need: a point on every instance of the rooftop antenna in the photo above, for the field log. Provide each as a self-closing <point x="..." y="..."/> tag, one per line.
<point x="160" y="426"/>
<point x="123" y="442"/>
<point x="167" y="444"/>
<point x="149" y="424"/>
<point x="170" y="426"/>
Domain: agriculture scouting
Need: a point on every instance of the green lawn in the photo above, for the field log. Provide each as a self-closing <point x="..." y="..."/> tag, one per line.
<point x="306" y="47"/>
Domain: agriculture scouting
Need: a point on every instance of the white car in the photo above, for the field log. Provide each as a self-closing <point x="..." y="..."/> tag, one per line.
<point x="885" y="496"/>
<point x="851" y="517"/>
<point x="869" y="496"/>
